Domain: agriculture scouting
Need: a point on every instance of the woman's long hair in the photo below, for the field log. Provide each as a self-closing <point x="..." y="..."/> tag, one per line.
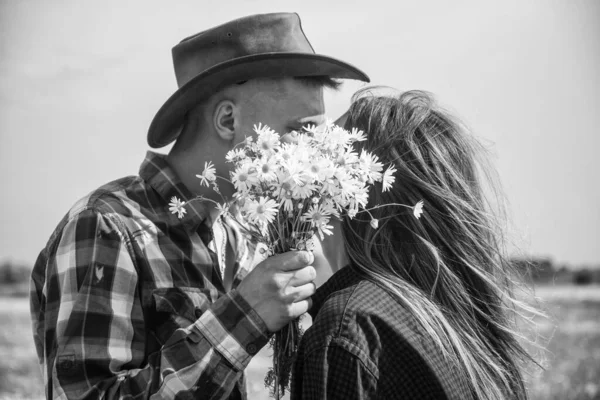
<point x="448" y="268"/>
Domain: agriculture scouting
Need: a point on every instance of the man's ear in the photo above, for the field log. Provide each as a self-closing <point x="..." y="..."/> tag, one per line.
<point x="225" y="119"/>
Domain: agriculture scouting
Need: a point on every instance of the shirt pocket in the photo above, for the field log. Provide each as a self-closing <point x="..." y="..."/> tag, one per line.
<point x="177" y="308"/>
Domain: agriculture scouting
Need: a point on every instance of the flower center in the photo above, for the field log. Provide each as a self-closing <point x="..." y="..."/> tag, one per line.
<point x="286" y="186"/>
<point x="242" y="177"/>
<point x="265" y="168"/>
<point x="266" y="146"/>
<point x="260" y="209"/>
<point x="314" y="169"/>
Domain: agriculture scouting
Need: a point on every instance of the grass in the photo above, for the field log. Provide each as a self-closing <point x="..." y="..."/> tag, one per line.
<point x="19" y="371"/>
<point x="573" y="349"/>
<point x="572" y="340"/>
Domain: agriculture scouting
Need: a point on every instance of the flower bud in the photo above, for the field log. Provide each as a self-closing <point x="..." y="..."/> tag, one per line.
<point x="374" y="223"/>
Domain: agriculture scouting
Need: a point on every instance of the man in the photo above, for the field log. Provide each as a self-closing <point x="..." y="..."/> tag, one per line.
<point x="129" y="301"/>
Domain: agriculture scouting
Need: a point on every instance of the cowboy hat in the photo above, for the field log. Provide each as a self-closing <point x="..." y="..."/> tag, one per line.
<point x="257" y="46"/>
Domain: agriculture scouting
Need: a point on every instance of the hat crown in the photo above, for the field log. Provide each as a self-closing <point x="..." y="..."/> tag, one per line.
<point x="247" y="36"/>
<point x="258" y="46"/>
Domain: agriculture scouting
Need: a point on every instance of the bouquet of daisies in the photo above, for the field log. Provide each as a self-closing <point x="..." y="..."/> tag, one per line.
<point x="288" y="192"/>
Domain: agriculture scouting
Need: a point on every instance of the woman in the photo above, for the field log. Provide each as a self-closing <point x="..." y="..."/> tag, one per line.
<point x="418" y="308"/>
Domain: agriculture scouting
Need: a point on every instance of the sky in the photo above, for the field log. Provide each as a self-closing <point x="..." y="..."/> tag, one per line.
<point x="81" y="80"/>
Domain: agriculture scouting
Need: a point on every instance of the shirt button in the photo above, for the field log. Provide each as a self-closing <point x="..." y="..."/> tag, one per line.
<point x="252" y="349"/>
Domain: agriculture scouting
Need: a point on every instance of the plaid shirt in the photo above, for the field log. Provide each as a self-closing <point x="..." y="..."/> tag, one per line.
<point x="128" y="301"/>
<point x="364" y="345"/>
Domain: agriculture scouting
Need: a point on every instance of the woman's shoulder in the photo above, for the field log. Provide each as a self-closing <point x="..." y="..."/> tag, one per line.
<point x="371" y="313"/>
<point x="362" y="314"/>
<point x="369" y="323"/>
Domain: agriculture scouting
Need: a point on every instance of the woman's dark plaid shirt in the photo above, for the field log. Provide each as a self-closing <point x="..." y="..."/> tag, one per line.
<point x="128" y="301"/>
<point x="364" y="345"/>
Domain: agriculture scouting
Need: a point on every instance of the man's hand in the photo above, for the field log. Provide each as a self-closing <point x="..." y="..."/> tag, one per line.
<point x="279" y="288"/>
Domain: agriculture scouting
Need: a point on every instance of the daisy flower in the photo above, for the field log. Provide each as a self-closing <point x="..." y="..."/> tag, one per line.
<point x="286" y="152"/>
<point x="312" y="129"/>
<point x="418" y="209"/>
<point x="330" y="187"/>
<point x="317" y="213"/>
<point x="235" y="155"/>
<point x="283" y="184"/>
<point x="352" y="212"/>
<point x="337" y="137"/>
<point x="331" y="207"/>
<point x="317" y="133"/>
<point x="303" y="190"/>
<point x="268" y="140"/>
<point x="244" y="177"/>
<point x="262" y="211"/>
<point x="295" y="170"/>
<point x="357" y="135"/>
<point x="260" y="128"/>
<point x="346" y="157"/>
<point x="222" y="208"/>
<point x="362" y="196"/>
<point x="346" y="183"/>
<point x="176" y="207"/>
<point x="318" y="216"/>
<point x="266" y="169"/>
<point x="370" y="166"/>
<point x="319" y="169"/>
<point x="208" y="175"/>
<point x="288" y="200"/>
<point x="388" y="178"/>
<point x="324" y="229"/>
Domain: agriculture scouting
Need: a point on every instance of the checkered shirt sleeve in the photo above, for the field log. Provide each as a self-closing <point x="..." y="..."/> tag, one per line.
<point x="96" y="348"/>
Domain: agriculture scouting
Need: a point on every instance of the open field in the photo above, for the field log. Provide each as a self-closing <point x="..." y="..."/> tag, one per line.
<point x="573" y="357"/>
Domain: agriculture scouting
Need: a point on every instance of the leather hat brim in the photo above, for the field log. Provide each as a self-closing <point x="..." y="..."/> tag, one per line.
<point x="167" y="122"/>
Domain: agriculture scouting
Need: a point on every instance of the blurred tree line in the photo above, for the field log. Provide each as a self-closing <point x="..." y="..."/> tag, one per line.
<point x="14" y="278"/>
<point x="537" y="270"/>
<point x="543" y="270"/>
<point x="11" y="272"/>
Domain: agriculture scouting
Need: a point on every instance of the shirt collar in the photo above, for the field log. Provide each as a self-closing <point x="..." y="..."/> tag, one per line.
<point x="342" y="279"/>
<point x="156" y="171"/>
